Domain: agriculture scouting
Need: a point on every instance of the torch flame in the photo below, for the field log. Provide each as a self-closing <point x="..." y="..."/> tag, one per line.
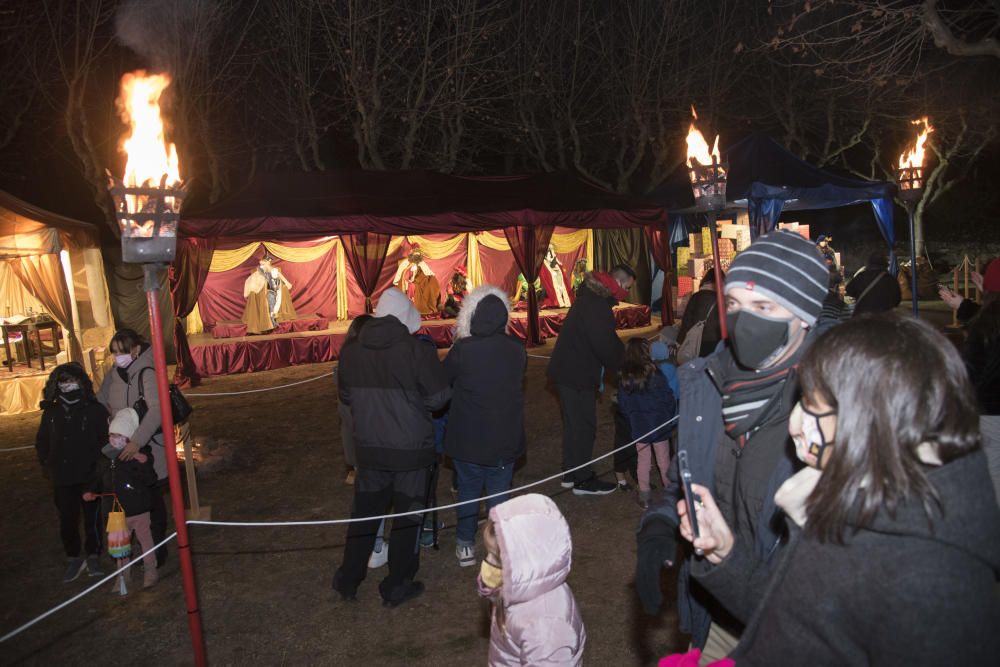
<point x="150" y="157"/>
<point x="914" y="157"/>
<point x="697" y="147"/>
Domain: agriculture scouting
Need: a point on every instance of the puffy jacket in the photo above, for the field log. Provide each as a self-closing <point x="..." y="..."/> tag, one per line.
<point x="70" y="438"/>
<point x="120" y="389"/>
<point x="587" y="341"/>
<point x="392" y="381"/>
<point x="904" y="591"/>
<point x="486" y="367"/>
<point x="543" y="624"/>
<point x="648" y="409"/>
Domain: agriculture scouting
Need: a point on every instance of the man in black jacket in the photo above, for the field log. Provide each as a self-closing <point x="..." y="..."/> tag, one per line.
<point x="874" y="290"/>
<point x="587" y="351"/>
<point x="392" y="382"/>
<point x="734" y="409"/>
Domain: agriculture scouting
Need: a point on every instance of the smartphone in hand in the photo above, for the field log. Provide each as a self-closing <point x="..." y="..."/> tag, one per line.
<point x="689" y="496"/>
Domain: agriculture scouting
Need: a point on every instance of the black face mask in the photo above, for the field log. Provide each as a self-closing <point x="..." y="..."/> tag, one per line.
<point x="71" y="396"/>
<point x="755" y="339"/>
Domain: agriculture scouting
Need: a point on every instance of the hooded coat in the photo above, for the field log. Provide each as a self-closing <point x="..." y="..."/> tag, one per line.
<point x="120" y="390"/>
<point x="486" y="368"/>
<point x="587" y="341"/>
<point x="69" y="439"/>
<point x="904" y="591"/>
<point x="543" y="625"/>
<point x="393" y="382"/>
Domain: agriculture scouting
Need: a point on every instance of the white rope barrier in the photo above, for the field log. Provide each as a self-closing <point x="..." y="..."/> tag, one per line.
<point x="17" y="449"/>
<point x="539" y="356"/>
<point x="16" y="631"/>
<point x="332" y="522"/>
<point x="326" y="522"/>
<point x="255" y="391"/>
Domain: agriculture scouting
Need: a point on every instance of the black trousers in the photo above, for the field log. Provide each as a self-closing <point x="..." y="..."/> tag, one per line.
<point x="158" y="519"/>
<point x="69" y="502"/>
<point x="375" y="491"/>
<point x="579" y="421"/>
<point x="627" y="459"/>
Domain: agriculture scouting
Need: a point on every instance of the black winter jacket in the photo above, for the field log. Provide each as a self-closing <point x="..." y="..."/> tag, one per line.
<point x="902" y="592"/>
<point x="982" y="358"/>
<point x="587" y="341"/>
<point x="129" y="480"/>
<point x="392" y="381"/>
<point x="70" y="438"/>
<point x="486" y="419"/>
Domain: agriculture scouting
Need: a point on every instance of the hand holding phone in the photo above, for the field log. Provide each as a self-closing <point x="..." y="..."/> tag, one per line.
<point x="689" y="496"/>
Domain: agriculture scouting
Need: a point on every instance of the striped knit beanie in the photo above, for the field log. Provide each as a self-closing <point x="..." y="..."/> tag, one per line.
<point x="786" y="268"/>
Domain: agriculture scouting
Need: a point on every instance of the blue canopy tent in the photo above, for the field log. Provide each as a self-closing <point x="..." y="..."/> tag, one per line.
<point x="766" y="179"/>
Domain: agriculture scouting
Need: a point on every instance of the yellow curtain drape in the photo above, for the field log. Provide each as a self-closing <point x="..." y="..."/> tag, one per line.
<point x="227" y="260"/>
<point x="492" y="241"/>
<point x="474" y="264"/>
<point x="192" y="323"/>
<point x="301" y="254"/>
<point x="15" y="299"/>
<point x="43" y="276"/>
<point x="569" y="241"/>
<point x="590" y="249"/>
<point x="341" y="282"/>
<point x="434" y="249"/>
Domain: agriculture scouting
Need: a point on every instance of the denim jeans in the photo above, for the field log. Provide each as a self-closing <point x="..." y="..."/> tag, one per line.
<point x="472" y="480"/>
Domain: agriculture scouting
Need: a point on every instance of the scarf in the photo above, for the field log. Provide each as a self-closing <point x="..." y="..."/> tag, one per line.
<point x="753" y="399"/>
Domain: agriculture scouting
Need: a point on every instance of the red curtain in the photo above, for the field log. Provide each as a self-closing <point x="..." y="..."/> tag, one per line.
<point x="187" y="278"/>
<point x="365" y="253"/>
<point x="658" y="236"/>
<point x="528" y="245"/>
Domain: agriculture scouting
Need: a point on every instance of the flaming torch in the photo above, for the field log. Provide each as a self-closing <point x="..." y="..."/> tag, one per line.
<point x="707" y="173"/>
<point x="910" y="177"/>
<point x="147" y="204"/>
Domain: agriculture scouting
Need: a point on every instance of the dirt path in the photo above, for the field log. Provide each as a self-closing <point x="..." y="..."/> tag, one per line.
<point x="265" y="592"/>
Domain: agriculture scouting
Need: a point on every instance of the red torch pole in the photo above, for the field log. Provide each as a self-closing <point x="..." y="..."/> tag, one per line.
<point x="152" y="286"/>
<point x="720" y="299"/>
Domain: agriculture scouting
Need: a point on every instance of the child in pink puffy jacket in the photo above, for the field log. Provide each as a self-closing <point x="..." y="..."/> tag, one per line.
<point x="536" y="620"/>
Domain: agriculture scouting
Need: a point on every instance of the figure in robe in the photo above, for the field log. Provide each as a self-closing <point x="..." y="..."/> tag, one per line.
<point x="416" y="280"/>
<point x="456" y="290"/>
<point x="579" y="273"/>
<point x="520" y="298"/>
<point x="269" y="298"/>
<point x="557" y="288"/>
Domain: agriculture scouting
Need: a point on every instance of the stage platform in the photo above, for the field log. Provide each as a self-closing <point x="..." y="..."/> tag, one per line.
<point x="249" y="354"/>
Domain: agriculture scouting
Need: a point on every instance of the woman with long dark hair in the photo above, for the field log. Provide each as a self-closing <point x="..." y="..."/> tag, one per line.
<point x="894" y="531"/>
<point x="133" y="378"/>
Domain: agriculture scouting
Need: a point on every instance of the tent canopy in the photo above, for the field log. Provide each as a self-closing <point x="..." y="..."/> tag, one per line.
<point x="317" y="204"/>
<point x="26" y="230"/>
<point x="761" y="168"/>
<point x="766" y="179"/>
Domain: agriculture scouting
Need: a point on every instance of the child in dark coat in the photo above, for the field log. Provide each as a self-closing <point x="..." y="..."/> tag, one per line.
<point x="73" y="428"/>
<point x="130" y="481"/>
<point x="645" y="398"/>
<point x="485" y="433"/>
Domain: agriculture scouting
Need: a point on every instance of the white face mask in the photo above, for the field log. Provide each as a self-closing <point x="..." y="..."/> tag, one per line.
<point x="66" y="387"/>
<point x="123" y="360"/>
<point x="118" y="441"/>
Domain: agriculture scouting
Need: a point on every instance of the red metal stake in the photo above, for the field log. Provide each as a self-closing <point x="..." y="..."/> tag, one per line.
<point x="720" y="299"/>
<point x="152" y="286"/>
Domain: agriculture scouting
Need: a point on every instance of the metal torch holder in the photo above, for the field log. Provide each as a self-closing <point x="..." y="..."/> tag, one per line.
<point x="708" y="183"/>
<point x="140" y="246"/>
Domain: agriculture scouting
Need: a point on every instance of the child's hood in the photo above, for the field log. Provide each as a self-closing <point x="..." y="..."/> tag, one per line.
<point x="535" y="546"/>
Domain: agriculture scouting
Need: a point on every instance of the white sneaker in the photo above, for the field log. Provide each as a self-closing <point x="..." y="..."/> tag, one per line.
<point x="466" y="555"/>
<point x="379" y="557"/>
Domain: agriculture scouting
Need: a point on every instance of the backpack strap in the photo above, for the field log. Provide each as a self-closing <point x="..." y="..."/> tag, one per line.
<point x="870" y="286"/>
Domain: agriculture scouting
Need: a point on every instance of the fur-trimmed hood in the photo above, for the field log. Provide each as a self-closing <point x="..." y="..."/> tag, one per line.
<point x="470" y="304"/>
<point x="595" y="285"/>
